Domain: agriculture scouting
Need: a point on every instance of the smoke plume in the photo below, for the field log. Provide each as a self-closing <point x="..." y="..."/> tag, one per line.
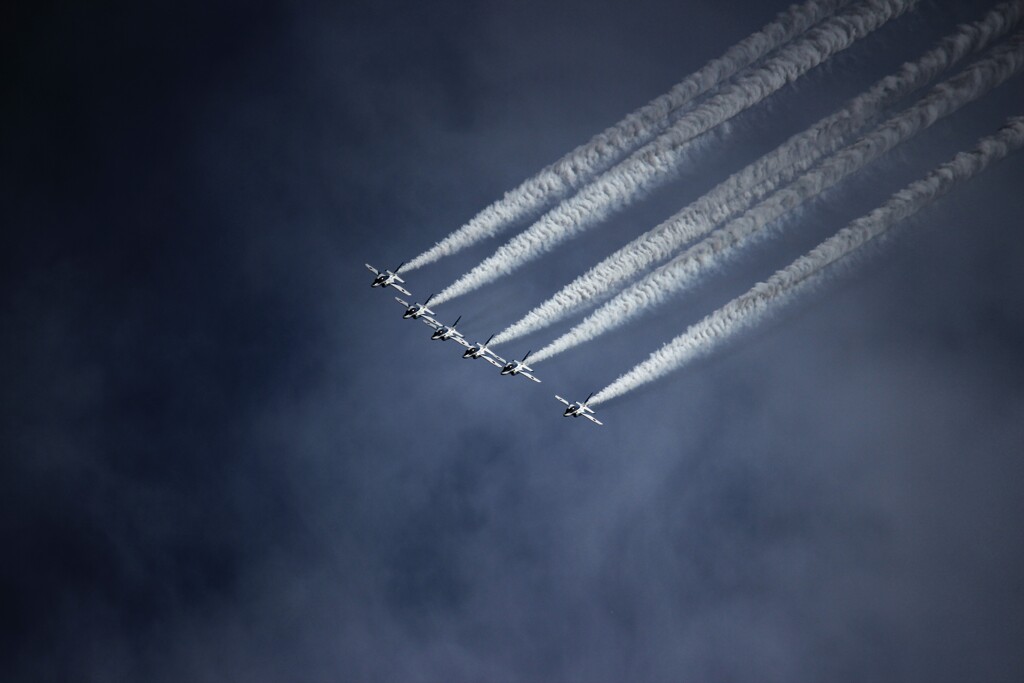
<point x="581" y="165"/>
<point x="785" y="285"/>
<point x="683" y="271"/>
<point x="657" y="162"/>
<point x="763" y="176"/>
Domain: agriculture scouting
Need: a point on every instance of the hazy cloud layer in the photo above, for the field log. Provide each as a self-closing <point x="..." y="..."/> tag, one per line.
<point x="227" y="458"/>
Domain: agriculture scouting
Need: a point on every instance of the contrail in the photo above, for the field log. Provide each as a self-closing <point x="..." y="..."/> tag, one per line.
<point x="800" y="276"/>
<point x="581" y="165"/>
<point x="657" y="162"/>
<point x="1004" y="61"/>
<point x="765" y="175"/>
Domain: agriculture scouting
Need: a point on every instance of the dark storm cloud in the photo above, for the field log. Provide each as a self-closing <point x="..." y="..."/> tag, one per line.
<point x="227" y="458"/>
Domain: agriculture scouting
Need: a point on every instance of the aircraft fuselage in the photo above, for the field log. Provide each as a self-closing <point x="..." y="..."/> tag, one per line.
<point x="415" y="311"/>
<point x="513" y="368"/>
<point x="383" y="279"/>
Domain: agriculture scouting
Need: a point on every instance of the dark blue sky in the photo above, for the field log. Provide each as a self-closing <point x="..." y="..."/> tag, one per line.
<point x="225" y="457"/>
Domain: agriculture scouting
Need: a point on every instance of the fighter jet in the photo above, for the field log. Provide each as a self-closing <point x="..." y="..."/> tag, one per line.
<point x="445" y="332"/>
<point x="479" y="350"/>
<point x="579" y="409"/>
<point x="419" y="311"/>
<point x="388" y="278"/>
<point x="519" y="367"/>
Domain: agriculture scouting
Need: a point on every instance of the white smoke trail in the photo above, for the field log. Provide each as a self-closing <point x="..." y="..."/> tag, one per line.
<point x="725" y="242"/>
<point x="581" y="165"/>
<point x="785" y="285"/>
<point x="657" y="162"/>
<point x="765" y="175"/>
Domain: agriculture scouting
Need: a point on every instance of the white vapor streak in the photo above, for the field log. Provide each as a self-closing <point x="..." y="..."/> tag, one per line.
<point x="1004" y="61"/>
<point x="581" y="165"/>
<point x="763" y="176"/>
<point x="786" y="284"/>
<point x="657" y="162"/>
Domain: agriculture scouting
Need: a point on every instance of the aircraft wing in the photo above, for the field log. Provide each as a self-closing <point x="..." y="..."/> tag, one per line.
<point x="427" y="320"/>
<point x="562" y="400"/>
<point x="524" y="373"/>
<point x="404" y="303"/>
<point x="496" y="356"/>
<point x="459" y="338"/>
<point x="403" y="290"/>
<point x="493" y="362"/>
<point x="593" y="419"/>
<point x="372" y="269"/>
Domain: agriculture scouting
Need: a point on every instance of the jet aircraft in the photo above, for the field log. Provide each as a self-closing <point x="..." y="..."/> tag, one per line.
<point x="419" y="311"/>
<point x="579" y="409"/>
<point x="388" y="278"/>
<point x="445" y="332"/>
<point x="519" y="367"/>
<point x="479" y="350"/>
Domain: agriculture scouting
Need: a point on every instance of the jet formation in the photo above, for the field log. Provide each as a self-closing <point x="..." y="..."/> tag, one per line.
<point x="442" y="332"/>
